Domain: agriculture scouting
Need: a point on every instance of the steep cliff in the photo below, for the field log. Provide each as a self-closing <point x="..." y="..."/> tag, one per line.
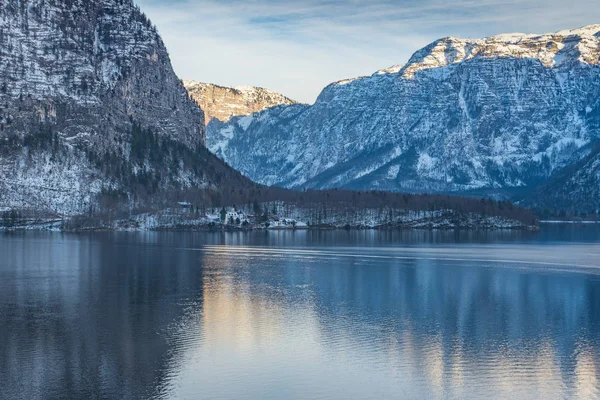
<point x="89" y="105"/>
<point x="223" y="103"/>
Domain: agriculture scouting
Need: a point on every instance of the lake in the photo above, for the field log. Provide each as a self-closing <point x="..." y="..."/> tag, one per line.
<point x="301" y="315"/>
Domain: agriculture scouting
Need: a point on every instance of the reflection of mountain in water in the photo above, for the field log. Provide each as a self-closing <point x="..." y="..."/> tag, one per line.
<point x="298" y="315"/>
<point x="87" y="315"/>
<point x="426" y="328"/>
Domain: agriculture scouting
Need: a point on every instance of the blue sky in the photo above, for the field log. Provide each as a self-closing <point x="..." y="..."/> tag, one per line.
<point x="297" y="48"/>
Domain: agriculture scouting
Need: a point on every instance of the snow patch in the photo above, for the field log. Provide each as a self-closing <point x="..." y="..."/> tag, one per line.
<point x="558" y="147"/>
<point x="393" y="172"/>
<point x="244" y="122"/>
<point x="426" y="163"/>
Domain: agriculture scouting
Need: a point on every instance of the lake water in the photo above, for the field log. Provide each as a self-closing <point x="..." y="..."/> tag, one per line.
<point x="301" y="315"/>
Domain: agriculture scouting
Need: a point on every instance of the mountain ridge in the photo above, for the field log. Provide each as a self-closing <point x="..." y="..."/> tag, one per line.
<point x="501" y="112"/>
<point x="223" y="102"/>
<point x="97" y="132"/>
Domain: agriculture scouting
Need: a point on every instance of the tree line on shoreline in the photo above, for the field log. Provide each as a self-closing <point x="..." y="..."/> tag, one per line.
<point x="148" y="178"/>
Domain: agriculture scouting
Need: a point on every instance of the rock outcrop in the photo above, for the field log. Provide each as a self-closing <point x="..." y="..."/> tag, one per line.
<point x="222" y="102"/>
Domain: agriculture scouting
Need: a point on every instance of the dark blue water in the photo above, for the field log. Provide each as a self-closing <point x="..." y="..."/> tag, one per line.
<point x="297" y="315"/>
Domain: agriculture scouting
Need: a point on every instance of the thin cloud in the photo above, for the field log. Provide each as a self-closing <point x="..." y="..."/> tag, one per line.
<point x="299" y="47"/>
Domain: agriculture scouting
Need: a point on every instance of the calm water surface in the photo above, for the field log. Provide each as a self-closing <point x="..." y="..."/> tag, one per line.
<point x="301" y="315"/>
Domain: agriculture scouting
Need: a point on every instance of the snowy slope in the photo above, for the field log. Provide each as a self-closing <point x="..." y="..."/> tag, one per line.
<point x="501" y="112"/>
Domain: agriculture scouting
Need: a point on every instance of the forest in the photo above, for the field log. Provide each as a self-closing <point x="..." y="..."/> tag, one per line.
<point x="151" y="172"/>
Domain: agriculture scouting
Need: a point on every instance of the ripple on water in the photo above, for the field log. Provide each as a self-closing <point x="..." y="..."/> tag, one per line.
<point x="110" y="318"/>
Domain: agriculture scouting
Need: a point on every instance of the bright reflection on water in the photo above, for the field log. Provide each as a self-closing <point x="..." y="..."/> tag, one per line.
<point x="329" y="315"/>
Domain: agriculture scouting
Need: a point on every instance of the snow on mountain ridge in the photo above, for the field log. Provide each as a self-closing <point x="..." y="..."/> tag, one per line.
<point x="461" y="115"/>
<point x="394" y="69"/>
<point x="582" y="44"/>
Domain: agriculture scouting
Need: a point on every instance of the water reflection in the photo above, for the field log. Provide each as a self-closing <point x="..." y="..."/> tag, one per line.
<point x="367" y="327"/>
<point x="82" y="318"/>
<point x="299" y="315"/>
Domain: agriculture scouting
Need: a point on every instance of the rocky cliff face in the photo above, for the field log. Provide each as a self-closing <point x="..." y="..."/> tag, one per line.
<point x="87" y="90"/>
<point x="502" y="112"/>
<point x="82" y="58"/>
<point x="223" y="103"/>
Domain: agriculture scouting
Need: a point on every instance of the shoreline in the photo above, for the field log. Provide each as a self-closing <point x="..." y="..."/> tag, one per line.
<point x="569" y="222"/>
<point x="281" y="217"/>
<point x="231" y="229"/>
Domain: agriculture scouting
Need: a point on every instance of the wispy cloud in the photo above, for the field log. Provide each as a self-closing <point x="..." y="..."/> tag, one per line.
<point x="297" y="47"/>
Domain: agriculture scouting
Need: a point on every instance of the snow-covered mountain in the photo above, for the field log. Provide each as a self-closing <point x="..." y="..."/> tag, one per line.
<point x="91" y="106"/>
<point x="463" y="114"/>
<point x="222" y="102"/>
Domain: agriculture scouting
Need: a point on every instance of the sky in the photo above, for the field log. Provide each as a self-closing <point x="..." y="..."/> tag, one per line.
<point x="298" y="47"/>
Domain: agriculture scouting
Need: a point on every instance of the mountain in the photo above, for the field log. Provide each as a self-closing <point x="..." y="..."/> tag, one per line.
<point x="499" y="113"/>
<point x="223" y="103"/>
<point x="92" y="110"/>
<point x="96" y="130"/>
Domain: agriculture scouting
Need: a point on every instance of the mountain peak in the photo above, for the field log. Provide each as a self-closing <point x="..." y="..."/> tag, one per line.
<point x="223" y="102"/>
<point x="551" y="49"/>
<point x="590" y="30"/>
